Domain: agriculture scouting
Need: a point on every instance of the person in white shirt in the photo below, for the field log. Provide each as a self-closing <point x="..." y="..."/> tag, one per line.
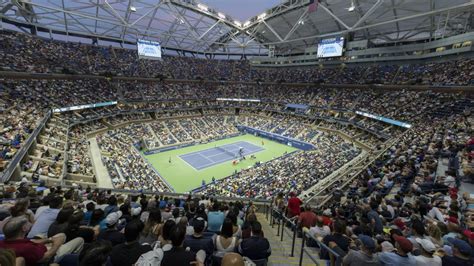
<point x="426" y="257"/>
<point x="320" y="230"/>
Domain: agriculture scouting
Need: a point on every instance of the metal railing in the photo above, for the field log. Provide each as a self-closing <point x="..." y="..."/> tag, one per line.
<point x="336" y="259"/>
<point x="282" y="221"/>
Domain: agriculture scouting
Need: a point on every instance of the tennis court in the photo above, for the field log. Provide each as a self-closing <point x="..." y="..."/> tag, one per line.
<point x="206" y="158"/>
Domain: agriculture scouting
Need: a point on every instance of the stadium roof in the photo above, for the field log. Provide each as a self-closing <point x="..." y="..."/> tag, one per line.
<point x="290" y="27"/>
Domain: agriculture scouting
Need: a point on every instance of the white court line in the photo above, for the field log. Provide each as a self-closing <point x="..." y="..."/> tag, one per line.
<point x="254" y="149"/>
<point x="193" y="166"/>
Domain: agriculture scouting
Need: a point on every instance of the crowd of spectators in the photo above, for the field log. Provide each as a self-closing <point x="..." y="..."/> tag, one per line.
<point x="26" y="53"/>
<point x="293" y="172"/>
<point x="41" y="224"/>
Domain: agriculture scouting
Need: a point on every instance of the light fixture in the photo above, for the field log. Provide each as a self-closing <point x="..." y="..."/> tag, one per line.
<point x="301" y="22"/>
<point x="352" y="7"/>
<point x="222" y="16"/>
<point x="262" y="16"/>
<point x="133" y="9"/>
<point x="246" y="23"/>
<point x="202" y="7"/>
<point x="236" y="22"/>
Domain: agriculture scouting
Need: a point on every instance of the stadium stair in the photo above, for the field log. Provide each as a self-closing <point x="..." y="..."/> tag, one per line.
<point x="281" y="250"/>
<point x="155" y="137"/>
<point x="169" y="131"/>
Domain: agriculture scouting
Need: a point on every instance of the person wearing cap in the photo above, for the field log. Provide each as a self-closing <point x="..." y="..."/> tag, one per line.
<point x="326" y="216"/>
<point x="198" y="241"/>
<point x="111" y="233"/>
<point x="470" y="236"/>
<point x="462" y="253"/>
<point x="426" y="257"/>
<point x="365" y="256"/>
<point x="402" y="256"/>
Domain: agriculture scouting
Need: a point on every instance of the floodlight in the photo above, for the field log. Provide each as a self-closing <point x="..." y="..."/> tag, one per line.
<point x="202" y="7"/>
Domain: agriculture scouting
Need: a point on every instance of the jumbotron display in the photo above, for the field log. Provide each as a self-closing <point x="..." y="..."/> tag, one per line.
<point x="149" y="49"/>
<point x="331" y="47"/>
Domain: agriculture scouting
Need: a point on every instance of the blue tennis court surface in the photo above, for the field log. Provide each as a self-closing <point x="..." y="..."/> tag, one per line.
<point x="210" y="157"/>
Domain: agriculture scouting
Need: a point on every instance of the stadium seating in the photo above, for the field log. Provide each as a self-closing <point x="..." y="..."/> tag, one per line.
<point x="364" y="175"/>
<point x="59" y="57"/>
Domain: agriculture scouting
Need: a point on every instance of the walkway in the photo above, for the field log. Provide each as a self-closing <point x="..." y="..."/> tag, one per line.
<point x="103" y="178"/>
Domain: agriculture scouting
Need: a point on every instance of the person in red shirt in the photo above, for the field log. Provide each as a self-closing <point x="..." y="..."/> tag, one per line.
<point x="307" y="218"/>
<point x="33" y="251"/>
<point x="294" y="204"/>
<point x="327" y="214"/>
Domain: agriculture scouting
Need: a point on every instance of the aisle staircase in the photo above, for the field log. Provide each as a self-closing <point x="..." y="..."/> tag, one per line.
<point x="281" y="250"/>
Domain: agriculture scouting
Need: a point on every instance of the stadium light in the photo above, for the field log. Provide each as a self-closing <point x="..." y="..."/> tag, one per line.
<point x="352" y="7"/>
<point x="222" y="16"/>
<point x="246" y="23"/>
<point x="202" y="7"/>
<point x="262" y="16"/>
<point x="133" y="9"/>
<point x="237" y="23"/>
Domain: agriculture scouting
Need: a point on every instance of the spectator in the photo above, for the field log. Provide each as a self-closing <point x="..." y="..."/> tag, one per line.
<point x="96" y="254"/>
<point x="320" y="230"/>
<point x="338" y="236"/>
<point x="402" y="256"/>
<point x="178" y="255"/>
<point x="198" y="241"/>
<point x="61" y="223"/>
<point x="35" y="251"/>
<point x="462" y="253"/>
<point x="215" y="218"/>
<point x="256" y="247"/>
<point x="247" y="226"/>
<point x="165" y="236"/>
<point x="19" y="209"/>
<point x="427" y="256"/>
<point x="225" y="241"/>
<point x="112" y="205"/>
<point x="111" y="233"/>
<point x="294" y="204"/>
<point x="152" y="227"/>
<point x="235" y="259"/>
<point x="127" y="253"/>
<point x="374" y="218"/>
<point x="365" y="256"/>
<point x="307" y="218"/>
<point x="46" y="218"/>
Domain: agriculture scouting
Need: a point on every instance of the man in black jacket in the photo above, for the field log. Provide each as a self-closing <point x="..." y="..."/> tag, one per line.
<point x="256" y="247"/>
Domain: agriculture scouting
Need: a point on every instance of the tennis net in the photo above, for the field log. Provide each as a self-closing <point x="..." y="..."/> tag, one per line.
<point x="227" y="151"/>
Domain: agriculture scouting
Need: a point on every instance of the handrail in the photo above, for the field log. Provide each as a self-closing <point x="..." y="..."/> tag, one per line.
<point x="334" y="254"/>
<point x="346" y="182"/>
<point x="24" y="149"/>
<point x="281" y="227"/>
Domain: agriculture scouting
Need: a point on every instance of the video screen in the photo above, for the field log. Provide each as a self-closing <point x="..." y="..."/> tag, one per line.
<point x="331" y="47"/>
<point x="149" y="49"/>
